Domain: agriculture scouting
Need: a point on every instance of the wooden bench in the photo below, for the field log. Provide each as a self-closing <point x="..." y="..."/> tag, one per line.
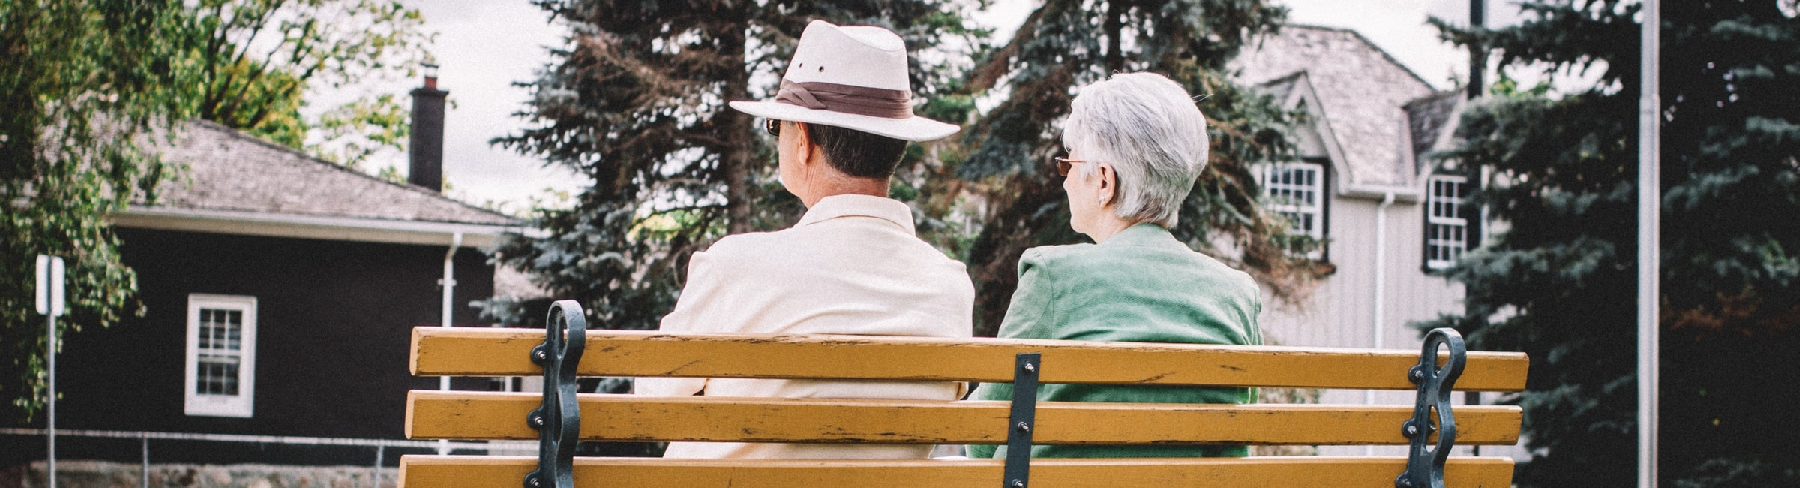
<point x="508" y="352"/>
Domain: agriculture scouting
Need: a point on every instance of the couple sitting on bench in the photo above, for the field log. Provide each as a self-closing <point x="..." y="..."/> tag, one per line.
<point x="853" y="265"/>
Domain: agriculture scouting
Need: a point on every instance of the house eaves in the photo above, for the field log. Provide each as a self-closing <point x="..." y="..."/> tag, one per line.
<point x="229" y="182"/>
<point x="314" y="226"/>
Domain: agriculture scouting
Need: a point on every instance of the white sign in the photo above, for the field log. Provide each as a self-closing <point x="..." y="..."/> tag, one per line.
<point x="50" y="285"/>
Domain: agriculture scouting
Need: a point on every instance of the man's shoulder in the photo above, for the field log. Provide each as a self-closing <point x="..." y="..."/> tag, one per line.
<point x="756" y="244"/>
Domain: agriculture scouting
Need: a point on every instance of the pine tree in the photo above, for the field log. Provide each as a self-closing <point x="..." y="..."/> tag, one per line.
<point x="1065" y="44"/>
<point x="1560" y="283"/>
<point x="636" y="101"/>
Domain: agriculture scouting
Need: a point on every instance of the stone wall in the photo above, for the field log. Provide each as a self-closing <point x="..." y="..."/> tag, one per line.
<point x="97" y="474"/>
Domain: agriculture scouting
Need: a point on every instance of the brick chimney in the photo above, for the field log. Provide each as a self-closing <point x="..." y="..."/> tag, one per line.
<point x="427" y="145"/>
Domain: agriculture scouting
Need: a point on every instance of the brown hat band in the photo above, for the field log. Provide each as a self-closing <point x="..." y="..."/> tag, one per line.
<point x="858" y="100"/>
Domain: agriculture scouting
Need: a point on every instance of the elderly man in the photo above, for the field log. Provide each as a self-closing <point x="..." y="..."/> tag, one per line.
<point x="852" y="265"/>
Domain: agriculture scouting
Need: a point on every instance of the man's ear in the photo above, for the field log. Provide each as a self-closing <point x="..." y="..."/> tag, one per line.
<point x="803" y="144"/>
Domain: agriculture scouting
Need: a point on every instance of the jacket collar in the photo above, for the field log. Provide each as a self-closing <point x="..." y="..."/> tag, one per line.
<point x="1145" y="235"/>
<point x="836" y="206"/>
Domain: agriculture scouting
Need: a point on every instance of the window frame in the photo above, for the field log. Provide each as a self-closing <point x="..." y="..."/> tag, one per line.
<point x="1321" y="208"/>
<point x="1459" y="216"/>
<point x="207" y="405"/>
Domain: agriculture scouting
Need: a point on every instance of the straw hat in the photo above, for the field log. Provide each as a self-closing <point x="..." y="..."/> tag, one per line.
<point x="852" y="77"/>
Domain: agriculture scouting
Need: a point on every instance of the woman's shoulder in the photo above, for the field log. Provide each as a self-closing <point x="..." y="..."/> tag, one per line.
<point x="1069" y="255"/>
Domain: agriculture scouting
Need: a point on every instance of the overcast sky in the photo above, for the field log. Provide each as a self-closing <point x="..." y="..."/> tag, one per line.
<point x="483" y="46"/>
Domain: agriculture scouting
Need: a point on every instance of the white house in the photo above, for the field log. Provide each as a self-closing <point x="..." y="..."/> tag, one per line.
<point x="1363" y="182"/>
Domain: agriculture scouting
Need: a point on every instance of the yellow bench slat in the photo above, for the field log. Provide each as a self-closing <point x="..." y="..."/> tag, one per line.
<point x="1250" y="472"/>
<point x="440" y="351"/>
<point x="499" y="416"/>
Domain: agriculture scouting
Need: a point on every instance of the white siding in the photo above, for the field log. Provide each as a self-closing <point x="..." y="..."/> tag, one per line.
<point x="1340" y="311"/>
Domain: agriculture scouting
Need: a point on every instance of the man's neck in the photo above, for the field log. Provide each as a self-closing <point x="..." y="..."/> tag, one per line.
<point x="840" y="184"/>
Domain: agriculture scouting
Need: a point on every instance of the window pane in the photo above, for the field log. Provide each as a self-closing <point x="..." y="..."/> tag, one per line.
<point x="220" y="352"/>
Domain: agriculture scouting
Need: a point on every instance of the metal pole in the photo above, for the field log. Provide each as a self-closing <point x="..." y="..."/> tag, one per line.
<point x="1477" y="54"/>
<point x="50" y="428"/>
<point x="375" y="481"/>
<point x="449" y="286"/>
<point x="145" y="473"/>
<point x="1649" y="247"/>
<point x="1477" y="68"/>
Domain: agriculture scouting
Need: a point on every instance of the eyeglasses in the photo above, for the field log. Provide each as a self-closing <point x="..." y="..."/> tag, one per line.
<point x="1063" y="165"/>
<point x="773" y="127"/>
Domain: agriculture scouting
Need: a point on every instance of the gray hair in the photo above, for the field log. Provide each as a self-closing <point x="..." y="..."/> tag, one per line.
<point x="1149" y="131"/>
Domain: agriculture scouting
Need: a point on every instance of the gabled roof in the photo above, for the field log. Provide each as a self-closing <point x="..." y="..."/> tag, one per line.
<point x="227" y="181"/>
<point x="1431" y="119"/>
<point x="1362" y="93"/>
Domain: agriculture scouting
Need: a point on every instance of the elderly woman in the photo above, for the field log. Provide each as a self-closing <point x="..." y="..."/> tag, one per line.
<point x="1136" y="144"/>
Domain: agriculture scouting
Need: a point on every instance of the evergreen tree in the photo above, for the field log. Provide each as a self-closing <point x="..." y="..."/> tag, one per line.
<point x="637" y="101"/>
<point x="1065" y="44"/>
<point x="1560" y="283"/>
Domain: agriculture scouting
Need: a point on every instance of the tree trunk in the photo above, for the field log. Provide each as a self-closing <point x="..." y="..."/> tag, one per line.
<point x="1115" y="25"/>
<point x="735" y="160"/>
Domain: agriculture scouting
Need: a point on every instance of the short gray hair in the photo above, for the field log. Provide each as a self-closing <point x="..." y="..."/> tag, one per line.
<point x="1149" y="130"/>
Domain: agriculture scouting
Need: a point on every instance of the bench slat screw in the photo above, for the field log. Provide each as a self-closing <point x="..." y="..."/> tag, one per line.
<point x="1030" y="367"/>
<point x="1018" y="483"/>
<point x="1024" y="427"/>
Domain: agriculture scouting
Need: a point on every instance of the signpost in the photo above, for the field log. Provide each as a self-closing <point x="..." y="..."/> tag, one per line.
<point x="1649" y="243"/>
<point x="50" y="304"/>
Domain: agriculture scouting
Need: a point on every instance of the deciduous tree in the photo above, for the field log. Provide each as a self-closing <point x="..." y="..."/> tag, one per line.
<point x="79" y="85"/>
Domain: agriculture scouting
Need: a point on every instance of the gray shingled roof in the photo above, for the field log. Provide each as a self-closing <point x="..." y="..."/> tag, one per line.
<point x="1429" y="117"/>
<point x="1362" y="91"/>
<point x="229" y="170"/>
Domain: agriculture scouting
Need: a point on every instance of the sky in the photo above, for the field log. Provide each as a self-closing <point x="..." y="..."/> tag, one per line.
<point x="484" y="46"/>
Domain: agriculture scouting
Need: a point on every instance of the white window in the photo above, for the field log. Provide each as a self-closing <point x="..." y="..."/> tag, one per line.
<point x="221" y="355"/>
<point x="1296" y="191"/>
<point x="1446" y="221"/>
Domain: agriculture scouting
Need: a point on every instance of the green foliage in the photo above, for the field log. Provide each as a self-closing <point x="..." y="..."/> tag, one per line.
<point x="1560" y="284"/>
<point x="86" y="83"/>
<point x="637" y="102"/>
<point x="81" y="88"/>
<point x="1065" y="44"/>
<point x="247" y="64"/>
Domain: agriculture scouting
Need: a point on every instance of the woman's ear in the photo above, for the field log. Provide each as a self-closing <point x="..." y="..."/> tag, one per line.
<point x="1109" y="184"/>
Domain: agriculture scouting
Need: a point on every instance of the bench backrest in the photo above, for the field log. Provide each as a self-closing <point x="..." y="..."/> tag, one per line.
<point x="507" y="352"/>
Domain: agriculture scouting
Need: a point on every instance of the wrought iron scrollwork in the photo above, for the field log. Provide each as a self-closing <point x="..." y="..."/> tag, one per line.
<point x="558" y="418"/>
<point x="1424" y="460"/>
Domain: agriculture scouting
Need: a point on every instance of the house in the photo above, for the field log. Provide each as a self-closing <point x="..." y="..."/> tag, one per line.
<point x="280" y="294"/>
<point x="1392" y="218"/>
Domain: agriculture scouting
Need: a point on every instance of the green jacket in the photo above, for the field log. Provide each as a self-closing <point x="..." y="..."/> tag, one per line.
<point x="1142" y="285"/>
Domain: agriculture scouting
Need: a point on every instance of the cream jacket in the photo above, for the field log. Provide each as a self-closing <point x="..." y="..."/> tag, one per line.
<point x="852" y="265"/>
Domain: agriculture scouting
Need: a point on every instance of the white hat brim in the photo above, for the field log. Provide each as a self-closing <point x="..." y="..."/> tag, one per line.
<point x="913" y="128"/>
